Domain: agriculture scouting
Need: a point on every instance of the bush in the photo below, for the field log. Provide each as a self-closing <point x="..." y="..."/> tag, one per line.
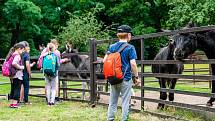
<point x="80" y="28"/>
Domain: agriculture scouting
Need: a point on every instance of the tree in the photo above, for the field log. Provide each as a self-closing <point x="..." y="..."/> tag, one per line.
<point x="200" y="12"/>
<point x="21" y="16"/>
<point x="80" y="29"/>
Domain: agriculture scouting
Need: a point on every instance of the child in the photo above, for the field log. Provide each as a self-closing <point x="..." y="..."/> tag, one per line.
<point x="51" y="80"/>
<point x="17" y="78"/>
<point x="43" y="53"/>
<point x="26" y="74"/>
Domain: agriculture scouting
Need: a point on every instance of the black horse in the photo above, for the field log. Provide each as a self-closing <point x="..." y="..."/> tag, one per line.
<point x="187" y="44"/>
<point x="81" y="63"/>
<point x="166" y="53"/>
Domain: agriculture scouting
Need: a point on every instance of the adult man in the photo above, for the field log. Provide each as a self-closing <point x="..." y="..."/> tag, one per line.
<point x="128" y="56"/>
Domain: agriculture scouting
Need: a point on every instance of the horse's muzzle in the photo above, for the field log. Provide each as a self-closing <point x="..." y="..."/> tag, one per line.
<point x="179" y="54"/>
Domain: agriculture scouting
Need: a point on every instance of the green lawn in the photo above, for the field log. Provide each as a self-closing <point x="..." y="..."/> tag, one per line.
<point x="77" y="111"/>
<point x="65" y="111"/>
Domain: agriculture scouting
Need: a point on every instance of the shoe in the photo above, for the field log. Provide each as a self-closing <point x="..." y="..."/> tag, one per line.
<point x="27" y="103"/>
<point x="57" y="99"/>
<point x="49" y="104"/>
<point x="16" y="105"/>
<point x="11" y="105"/>
<point x="52" y="103"/>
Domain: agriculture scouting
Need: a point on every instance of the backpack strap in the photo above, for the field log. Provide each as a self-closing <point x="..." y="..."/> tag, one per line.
<point x="123" y="47"/>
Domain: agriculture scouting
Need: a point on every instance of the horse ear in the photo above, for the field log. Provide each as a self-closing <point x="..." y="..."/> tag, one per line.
<point x="171" y="43"/>
<point x="190" y="25"/>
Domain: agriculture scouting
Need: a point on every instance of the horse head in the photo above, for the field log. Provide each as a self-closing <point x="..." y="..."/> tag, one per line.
<point x="185" y="44"/>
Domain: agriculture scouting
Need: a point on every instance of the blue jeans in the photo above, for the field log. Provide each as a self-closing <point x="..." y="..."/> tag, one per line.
<point x="25" y="83"/>
<point x="125" y="89"/>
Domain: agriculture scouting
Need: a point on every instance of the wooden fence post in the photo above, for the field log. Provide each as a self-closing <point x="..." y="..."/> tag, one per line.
<point x="64" y="85"/>
<point x="142" y="71"/>
<point x="93" y="58"/>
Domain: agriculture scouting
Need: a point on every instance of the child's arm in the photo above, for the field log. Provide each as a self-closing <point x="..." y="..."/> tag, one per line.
<point x="32" y="64"/>
<point x="16" y="61"/>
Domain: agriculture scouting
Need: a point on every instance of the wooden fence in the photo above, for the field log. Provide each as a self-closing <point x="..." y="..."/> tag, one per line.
<point x="94" y="82"/>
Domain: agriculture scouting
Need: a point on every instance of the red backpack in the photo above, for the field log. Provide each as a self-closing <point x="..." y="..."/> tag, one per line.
<point x="113" y="67"/>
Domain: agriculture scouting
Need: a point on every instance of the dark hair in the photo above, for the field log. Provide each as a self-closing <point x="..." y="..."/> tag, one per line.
<point x="15" y="47"/>
<point x="25" y="43"/>
<point x="18" y="46"/>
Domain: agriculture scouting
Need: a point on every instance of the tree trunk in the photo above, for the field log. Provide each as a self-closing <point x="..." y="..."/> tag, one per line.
<point x="15" y="35"/>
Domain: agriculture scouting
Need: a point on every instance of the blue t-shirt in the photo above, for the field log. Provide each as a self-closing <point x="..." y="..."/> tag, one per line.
<point x="127" y="54"/>
<point x="25" y="57"/>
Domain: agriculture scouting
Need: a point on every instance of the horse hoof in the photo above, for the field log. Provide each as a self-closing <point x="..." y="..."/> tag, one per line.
<point x="160" y="106"/>
<point x="93" y="105"/>
<point x="209" y="104"/>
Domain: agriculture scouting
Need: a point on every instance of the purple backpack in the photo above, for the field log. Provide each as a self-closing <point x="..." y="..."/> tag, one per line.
<point x="7" y="69"/>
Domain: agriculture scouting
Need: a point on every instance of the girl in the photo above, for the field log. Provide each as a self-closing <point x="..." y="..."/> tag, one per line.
<point x="16" y="79"/>
<point x="51" y="80"/>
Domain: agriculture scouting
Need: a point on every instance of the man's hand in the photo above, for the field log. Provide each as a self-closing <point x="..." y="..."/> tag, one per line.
<point x="137" y="82"/>
<point x="29" y="76"/>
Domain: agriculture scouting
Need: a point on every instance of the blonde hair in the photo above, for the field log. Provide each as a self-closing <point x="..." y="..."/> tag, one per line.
<point x="54" y="41"/>
<point x="122" y="35"/>
<point x="50" y="47"/>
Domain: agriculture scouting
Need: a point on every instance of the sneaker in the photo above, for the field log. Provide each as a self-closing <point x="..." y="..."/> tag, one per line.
<point x="27" y="103"/>
<point x="57" y="99"/>
<point x="52" y="103"/>
<point x="11" y="105"/>
<point x="49" y="104"/>
<point x="16" y="105"/>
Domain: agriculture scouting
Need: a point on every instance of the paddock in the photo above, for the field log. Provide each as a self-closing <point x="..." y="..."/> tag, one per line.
<point x="146" y="94"/>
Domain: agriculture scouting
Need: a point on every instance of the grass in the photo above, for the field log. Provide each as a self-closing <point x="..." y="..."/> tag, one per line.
<point x="77" y="111"/>
<point x="65" y="111"/>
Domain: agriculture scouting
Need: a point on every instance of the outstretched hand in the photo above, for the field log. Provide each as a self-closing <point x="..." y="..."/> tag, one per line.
<point x="137" y="82"/>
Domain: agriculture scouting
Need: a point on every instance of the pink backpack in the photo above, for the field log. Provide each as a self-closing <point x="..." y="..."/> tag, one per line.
<point x="7" y="69"/>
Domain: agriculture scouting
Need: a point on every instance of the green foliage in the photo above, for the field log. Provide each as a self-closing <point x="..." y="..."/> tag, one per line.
<point x="24" y="13"/>
<point x="5" y="42"/>
<point x="80" y="28"/>
<point x="33" y="51"/>
<point x="199" y="11"/>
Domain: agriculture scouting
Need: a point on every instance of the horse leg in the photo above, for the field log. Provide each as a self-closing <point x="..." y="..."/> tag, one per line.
<point x="211" y="100"/>
<point x="84" y="85"/>
<point x="172" y="86"/>
<point x="163" y="95"/>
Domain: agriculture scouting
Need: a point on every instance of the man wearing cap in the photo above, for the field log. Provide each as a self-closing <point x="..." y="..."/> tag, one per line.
<point x="128" y="56"/>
